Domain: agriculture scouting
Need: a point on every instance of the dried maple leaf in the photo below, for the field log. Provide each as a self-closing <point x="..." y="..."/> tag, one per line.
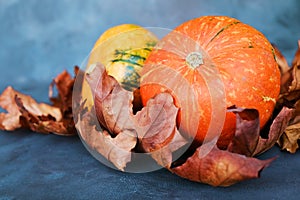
<point x="247" y="140"/>
<point x="291" y="135"/>
<point x="23" y="111"/>
<point x="117" y="150"/>
<point x="10" y="100"/>
<point x="280" y="59"/>
<point x="156" y="123"/>
<point x="291" y="93"/>
<point x="290" y="97"/>
<point x="286" y="76"/>
<point x="164" y="155"/>
<point x="64" y="84"/>
<point x="296" y="60"/>
<point x="220" y="168"/>
<point x="40" y="123"/>
<point x="112" y="103"/>
<point x="154" y="126"/>
<point x="289" y="140"/>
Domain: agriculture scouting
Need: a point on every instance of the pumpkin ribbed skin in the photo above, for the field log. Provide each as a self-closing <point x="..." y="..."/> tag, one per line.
<point x="246" y="65"/>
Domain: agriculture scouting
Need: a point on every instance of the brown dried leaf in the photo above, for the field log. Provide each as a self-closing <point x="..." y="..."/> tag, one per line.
<point x="295" y="85"/>
<point x="156" y="123"/>
<point x="290" y="82"/>
<point x="247" y="131"/>
<point x="112" y="103"/>
<point x="296" y="60"/>
<point x="64" y="83"/>
<point x="279" y="124"/>
<point x="290" y="137"/>
<point x="23" y="111"/>
<point x="10" y="101"/>
<point x="117" y="150"/>
<point x="154" y="126"/>
<point x="164" y="155"/>
<point x="291" y="98"/>
<point x="247" y="140"/>
<point x="220" y="168"/>
<point x="286" y="75"/>
<point x="41" y="123"/>
<point x="10" y="120"/>
<point x="281" y="61"/>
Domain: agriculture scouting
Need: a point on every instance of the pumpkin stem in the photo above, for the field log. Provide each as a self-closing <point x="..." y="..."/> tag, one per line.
<point x="194" y="59"/>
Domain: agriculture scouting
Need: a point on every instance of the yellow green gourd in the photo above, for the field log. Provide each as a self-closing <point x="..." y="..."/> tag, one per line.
<point x="123" y="50"/>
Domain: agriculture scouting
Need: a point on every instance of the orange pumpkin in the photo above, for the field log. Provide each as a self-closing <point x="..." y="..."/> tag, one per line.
<point x="243" y="60"/>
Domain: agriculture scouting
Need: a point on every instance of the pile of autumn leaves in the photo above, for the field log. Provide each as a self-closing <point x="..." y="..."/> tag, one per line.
<point x="58" y="118"/>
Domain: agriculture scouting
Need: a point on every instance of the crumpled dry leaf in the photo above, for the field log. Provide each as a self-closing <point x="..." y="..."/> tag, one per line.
<point x="281" y="61"/>
<point x="290" y="96"/>
<point x="64" y="83"/>
<point x="248" y="140"/>
<point x="289" y="140"/>
<point x="219" y="167"/>
<point x="154" y="126"/>
<point x="286" y="77"/>
<point x="155" y="123"/>
<point x="291" y="93"/>
<point x="164" y="156"/>
<point x="14" y="102"/>
<point x="24" y="112"/>
<point x="117" y="150"/>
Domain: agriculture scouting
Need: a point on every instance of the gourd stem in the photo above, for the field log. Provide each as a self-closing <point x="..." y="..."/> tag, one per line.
<point x="194" y="59"/>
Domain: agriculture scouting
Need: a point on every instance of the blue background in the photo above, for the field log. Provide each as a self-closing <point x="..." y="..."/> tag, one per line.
<point x="38" y="39"/>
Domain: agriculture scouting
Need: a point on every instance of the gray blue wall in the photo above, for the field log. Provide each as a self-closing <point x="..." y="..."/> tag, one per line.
<point x="40" y="38"/>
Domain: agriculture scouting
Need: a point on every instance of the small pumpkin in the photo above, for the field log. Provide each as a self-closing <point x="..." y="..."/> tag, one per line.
<point x="243" y="60"/>
<point x="122" y="50"/>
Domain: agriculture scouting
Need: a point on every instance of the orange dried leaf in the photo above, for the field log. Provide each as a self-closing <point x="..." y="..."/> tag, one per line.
<point x="11" y="120"/>
<point x="64" y="83"/>
<point x="24" y="112"/>
<point x="220" y="168"/>
<point x="40" y="123"/>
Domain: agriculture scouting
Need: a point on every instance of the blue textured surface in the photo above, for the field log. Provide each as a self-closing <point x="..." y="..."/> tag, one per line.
<point x="38" y="39"/>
